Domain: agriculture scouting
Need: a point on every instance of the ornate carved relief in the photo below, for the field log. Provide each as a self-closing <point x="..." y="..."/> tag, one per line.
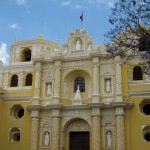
<point x="78" y="125"/>
<point x="70" y="114"/>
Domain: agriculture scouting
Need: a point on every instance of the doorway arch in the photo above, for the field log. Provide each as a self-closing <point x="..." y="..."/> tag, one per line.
<point x="76" y="135"/>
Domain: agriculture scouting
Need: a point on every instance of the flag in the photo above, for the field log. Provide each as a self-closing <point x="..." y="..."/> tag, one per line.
<point x="81" y="17"/>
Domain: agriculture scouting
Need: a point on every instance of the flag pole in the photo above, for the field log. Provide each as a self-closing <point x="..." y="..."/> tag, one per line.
<point x="81" y="18"/>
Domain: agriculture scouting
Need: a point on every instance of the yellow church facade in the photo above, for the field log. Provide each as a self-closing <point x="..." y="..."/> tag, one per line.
<point x="72" y="97"/>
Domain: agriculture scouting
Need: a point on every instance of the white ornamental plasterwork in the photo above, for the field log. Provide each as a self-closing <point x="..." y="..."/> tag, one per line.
<point x="108" y="116"/>
<point x="78" y="70"/>
<point x="13" y="70"/>
<point x="17" y="54"/>
<point x="77" y="63"/>
<point x="21" y="78"/>
<point x="120" y="133"/>
<point x="67" y="91"/>
<point x="89" y="89"/>
<point x="107" y="61"/>
<point x="69" y="115"/>
<point x="34" y="133"/>
<point x="46" y="121"/>
<point x="1" y="79"/>
<point x="96" y="132"/>
<point x="107" y="69"/>
<point x="78" y="125"/>
<point x="48" y="73"/>
<point x="55" y="133"/>
<point x="6" y="76"/>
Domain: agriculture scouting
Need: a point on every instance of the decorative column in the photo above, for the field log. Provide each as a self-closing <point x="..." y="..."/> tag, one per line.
<point x="57" y="82"/>
<point x="56" y="130"/>
<point x="20" y="80"/>
<point x="5" y="82"/>
<point x="35" y="130"/>
<point x="96" y="79"/>
<point x="95" y="129"/>
<point x="118" y="79"/>
<point x="120" y="129"/>
<point x="38" y="68"/>
<point x="1" y="78"/>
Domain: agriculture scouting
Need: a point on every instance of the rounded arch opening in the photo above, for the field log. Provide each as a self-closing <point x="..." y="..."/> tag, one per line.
<point x="28" y="81"/>
<point x="14" y="81"/>
<point x="74" y="78"/>
<point x="26" y="55"/>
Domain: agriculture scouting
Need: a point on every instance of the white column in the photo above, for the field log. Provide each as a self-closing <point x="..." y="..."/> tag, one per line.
<point x="120" y="129"/>
<point x="57" y="82"/>
<point x="55" y="130"/>
<point x="5" y="82"/>
<point x="38" y="68"/>
<point x="96" y="80"/>
<point x="95" y="129"/>
<point x="118" y="79"/>
<point x="20" y="79"/>
<point x="35" y="130"/>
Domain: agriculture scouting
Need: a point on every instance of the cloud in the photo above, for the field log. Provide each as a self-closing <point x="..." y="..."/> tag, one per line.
<point x="13" y="26"/>
<point x="78" y="4"/>
<point x="21" y="2"/>
<point x="110" y="4"/>
<point x="65" y="3"/>
<point x="3" y="53"/>
<point x="72" y="5"/>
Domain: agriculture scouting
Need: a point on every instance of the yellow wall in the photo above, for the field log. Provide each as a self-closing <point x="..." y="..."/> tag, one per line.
<point x="6" y="122"/>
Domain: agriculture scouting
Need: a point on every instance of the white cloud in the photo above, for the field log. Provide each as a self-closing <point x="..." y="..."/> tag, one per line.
<point x="21" y="2"/>
<point x="71" y="4"/>
<point x="13" y="26"/>
<point x="78" y="4"/>
<point x="110" y="4"/>
<point x="66" y="3"/>
<point x="3" y="53"/>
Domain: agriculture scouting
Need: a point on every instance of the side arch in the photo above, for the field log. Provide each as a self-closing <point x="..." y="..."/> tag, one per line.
<point x="69" y="84"/>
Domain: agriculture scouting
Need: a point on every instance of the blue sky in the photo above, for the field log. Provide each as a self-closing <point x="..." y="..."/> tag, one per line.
<point x="22" y="19"/>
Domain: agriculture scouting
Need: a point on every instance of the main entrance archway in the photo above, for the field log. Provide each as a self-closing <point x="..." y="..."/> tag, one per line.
<point x="77" y="135"/>
<point x="79" y="141"/>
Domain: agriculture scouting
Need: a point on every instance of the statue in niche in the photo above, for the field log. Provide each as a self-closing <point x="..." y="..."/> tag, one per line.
<point x="108" y="139"/>
<point x="89" y="47"/>
<point x="78" y="95"/>
<point x="78" y="45"/>
<point x="65" y="49"/>
<point x="49" y="89"/>
<point x="46" y="138"/>
<point x="108" y="86"/>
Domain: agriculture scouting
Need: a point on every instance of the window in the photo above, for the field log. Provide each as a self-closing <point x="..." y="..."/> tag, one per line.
<point x="146" y="133"/>
<point x="144" y="43"/>
<point x="26" y="54"/>
<point x="137" y="73"/>
<point x="17" y="111"/>
<point x="146" y="109"/>
<point x="79" y="81"/>
<point x="28" y="81"/>
<point x="14" y="81"/>
<point x="14" y="135"/>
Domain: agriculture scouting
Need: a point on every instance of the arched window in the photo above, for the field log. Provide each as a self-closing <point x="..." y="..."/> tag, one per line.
<point x="144" y="43"/>
<point x="26" y="55"/>
<point x="146" y="133"/>
<point x="14" y="135"/>
<point x="17" y="112"/>
<point x="14" y="81"/>
<point x="79" y="81"/>
<point x="137" y="73"/>
<point x="28" y="81"/>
